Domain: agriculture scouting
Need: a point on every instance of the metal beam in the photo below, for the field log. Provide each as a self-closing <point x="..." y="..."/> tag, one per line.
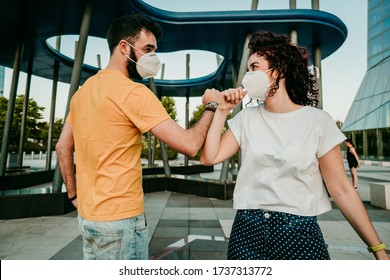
<point x="317" y="73"/>
<point x="75" y="78"/>
<point x="187" y="113"/>
<point x="238" y="82"/>
<point x="164" y="152"/>
<point x="53" y="108"/>
<point x="10" y="108"/>
<point x="25" y="112"/>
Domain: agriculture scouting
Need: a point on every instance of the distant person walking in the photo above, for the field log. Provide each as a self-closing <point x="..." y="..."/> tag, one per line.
<point x="353" y="161"/>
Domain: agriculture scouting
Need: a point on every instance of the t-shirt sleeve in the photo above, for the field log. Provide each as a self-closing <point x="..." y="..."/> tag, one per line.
<point x="329" y="134"/>
<point x="144" y="109"/>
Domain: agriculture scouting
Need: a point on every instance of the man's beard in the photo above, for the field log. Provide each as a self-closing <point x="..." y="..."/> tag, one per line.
<point x="132" y="67"/>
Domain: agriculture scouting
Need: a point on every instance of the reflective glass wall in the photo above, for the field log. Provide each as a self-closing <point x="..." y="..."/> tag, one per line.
<point x="368" y="120"/>
<point x="378" y="46"/>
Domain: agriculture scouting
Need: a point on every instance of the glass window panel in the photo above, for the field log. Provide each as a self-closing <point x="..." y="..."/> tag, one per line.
<point x="381" y="82"/>
<point x="371" y="143"/>
<point x="375" y="31"/>
<point x="386" y="143"/>
<point x="384" y="116"/>
<point x="374" y="60"/>
<point x="359" y="142"/>
<point x="373" y="3"/>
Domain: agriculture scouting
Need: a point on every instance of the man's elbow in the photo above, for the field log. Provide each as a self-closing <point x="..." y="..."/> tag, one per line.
<point x="191" y="151"/>
<point x="58" y="148"/>
<point x="62" y="148"/>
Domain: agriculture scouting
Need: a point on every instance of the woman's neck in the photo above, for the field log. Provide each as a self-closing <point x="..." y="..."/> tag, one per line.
<point x="280" y="102"/>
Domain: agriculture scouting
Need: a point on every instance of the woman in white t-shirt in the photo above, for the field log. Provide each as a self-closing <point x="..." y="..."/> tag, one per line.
<point x="289" y="149"/>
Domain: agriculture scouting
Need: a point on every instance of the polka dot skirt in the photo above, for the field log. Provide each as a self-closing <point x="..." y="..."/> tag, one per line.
<point x="269" y="235"/>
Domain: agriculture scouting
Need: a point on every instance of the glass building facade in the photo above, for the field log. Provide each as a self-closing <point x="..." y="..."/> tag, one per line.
<point x="368" y="120"/>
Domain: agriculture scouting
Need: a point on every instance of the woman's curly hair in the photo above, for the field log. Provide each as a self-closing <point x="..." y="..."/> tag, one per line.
<point x="291" y="62"/>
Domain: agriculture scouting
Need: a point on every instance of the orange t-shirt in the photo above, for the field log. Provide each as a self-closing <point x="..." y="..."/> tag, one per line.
<point x="108" y="116"/>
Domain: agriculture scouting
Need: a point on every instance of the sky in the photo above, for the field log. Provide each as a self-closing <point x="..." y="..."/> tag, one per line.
<point x="342" y="72"/>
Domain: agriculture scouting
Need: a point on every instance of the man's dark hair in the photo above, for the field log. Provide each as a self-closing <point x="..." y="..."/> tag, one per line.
<point x="128" y="27"/>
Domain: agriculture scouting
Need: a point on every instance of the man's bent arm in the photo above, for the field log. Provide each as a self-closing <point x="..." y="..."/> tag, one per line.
<point x="187" y="142"/>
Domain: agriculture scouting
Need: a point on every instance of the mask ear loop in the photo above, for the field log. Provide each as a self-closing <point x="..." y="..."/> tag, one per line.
<point x="259" y="102"/>
<point x="250" y="101"/>
<point x="135" y="47"/>
<point x="130" y="59"/>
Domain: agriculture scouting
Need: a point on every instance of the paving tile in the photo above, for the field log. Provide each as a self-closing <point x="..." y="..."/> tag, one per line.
<point x="208" y="246"/>
<point x="207" y="231"/>
<point x="73" y="251"/>
<point x="203" y="214"/>
<point x="178" y="232"/>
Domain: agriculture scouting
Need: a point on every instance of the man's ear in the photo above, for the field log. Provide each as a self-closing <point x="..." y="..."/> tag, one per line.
<point x="122" y="46"/>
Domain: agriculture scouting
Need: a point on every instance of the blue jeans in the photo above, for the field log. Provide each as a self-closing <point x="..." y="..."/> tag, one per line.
<point x="270" y="235"/>
<point x="115" y="240"/>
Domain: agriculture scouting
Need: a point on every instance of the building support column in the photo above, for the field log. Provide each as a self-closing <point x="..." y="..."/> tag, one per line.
<point x="365" y="145"/>
<point x="254" y="4"/>
<point x="164" y="152"/>
<point x="53" y="108"/>
<point x="237" y="83"/>
<point x="315" y="4"/>
<point x="25" y="112"/>
<point x="188" y="90"/>
<point x="152" y="138"/>
<point x="379" y="144"/>
<point x="317" y="73"/>
<point x="353" y="136"/>
<point x="76" y="75"/>
<point x="11" y="107"/>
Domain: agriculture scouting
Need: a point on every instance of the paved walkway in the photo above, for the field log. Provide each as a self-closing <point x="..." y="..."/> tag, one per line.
<point x="186" y="227"/>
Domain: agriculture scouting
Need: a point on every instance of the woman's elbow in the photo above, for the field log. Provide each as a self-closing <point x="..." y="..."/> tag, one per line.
<point x="204" y="161"/>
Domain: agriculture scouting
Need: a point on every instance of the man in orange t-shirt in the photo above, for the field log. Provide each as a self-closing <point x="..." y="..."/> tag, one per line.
<point x="107" y="118"/>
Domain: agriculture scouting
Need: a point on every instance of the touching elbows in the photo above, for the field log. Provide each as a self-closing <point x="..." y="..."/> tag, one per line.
<point x="190" y="150"/>
<point x="204" y="161"/>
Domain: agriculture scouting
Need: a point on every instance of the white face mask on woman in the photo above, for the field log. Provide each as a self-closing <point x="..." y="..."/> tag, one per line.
<point x="257" y="84"/>
<point x="148" y="64"/>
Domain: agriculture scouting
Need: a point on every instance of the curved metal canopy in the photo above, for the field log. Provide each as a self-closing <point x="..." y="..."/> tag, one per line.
<point x="222" y="32"/>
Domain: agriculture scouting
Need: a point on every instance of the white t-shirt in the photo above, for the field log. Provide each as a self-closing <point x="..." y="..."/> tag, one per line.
<point x="280" y="151"/>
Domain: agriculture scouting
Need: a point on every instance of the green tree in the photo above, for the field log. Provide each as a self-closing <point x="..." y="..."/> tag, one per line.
<point x="197" y="114"/>
<point x="33" y="124"/>
<point x="58" y="125"/>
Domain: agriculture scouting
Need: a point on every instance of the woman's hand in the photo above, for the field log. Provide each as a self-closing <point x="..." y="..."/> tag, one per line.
<point x="231" y="97"/>
<point x="227" y="99"/>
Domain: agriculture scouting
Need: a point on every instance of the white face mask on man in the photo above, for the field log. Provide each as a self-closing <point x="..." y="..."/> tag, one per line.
<point x="257" y="84"/>
<point x="148" y="65"/>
